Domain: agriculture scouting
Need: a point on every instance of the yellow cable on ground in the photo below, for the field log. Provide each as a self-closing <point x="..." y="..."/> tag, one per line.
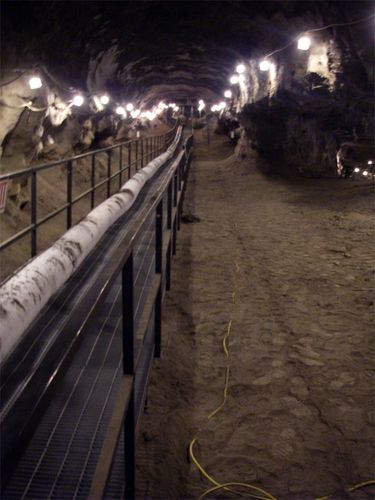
<point x="242" y="485"/>
<point x="361" y="485"/>
<point x="216" y="484"/>
<point x="229" y="485"/>
<point x="352" y="488"/>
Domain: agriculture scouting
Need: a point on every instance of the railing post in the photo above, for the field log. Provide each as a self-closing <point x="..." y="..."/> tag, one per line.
<point x="69" y="193"/>
<point x="142" y="151"/>
<point x="129" y="160"/>
<point x="136" y="154"/>
<point x="158" y="270"/>
<point x="93" y="181"/>
<point x="33" y="214"/>
<point x="109" y="171"/>
<point x="175" y="198"/>
<point x="128" y="368"/>
<point x="169" y="226"/>
<point x="120" y="168"/>
<point x="179" y="207"/>
<point x="128" y="315"/>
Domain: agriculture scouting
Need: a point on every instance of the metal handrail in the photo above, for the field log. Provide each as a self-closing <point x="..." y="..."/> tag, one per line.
<point x="139" y="152"/>
<point x="168" y="194"/>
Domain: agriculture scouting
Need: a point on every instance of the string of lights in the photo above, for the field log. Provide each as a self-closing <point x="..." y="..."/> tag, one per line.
<point x="333" y="25"/>
<point x="35" y="82"/>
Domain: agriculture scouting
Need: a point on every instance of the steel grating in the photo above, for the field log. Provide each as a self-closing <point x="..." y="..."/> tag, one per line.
<point x="61" y="457"/>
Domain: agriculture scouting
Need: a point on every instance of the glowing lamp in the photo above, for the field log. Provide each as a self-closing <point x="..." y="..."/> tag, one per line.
<point x="222" y="105"/>
<point x="264" y="65"/>
<point x="35" y="83"/>
<point x="370" y="162"/>
<point x="240" y="68"/>
<point x="104" y="99"/>
<point x="129" y="107"/>
<point x="135" y="113"/>
<point x="214" y="108"/>
<point x="201" y="105"/>
<point x="365" y="173"/>
<point x="304" y="43"/>
<point x="356" y="170"/>
<point x="120" y="110"/>
<point x="78" y="100"/>
<point x="228" y="94"/>
<point x="234" y="79"/>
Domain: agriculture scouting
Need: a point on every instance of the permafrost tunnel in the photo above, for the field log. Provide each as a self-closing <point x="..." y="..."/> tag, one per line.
<point x="187" y="242"/>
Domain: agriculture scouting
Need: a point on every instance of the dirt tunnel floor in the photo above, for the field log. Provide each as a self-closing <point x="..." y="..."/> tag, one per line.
<point x="298" y="417"/>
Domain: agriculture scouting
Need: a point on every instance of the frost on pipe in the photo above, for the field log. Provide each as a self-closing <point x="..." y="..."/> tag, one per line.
<point x="24" y="294"/>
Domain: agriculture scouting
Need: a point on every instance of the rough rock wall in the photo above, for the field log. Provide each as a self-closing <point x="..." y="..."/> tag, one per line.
<point x="297" y="113"/>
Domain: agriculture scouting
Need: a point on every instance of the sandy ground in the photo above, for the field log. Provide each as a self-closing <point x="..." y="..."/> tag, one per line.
<point x="298" y="254"/>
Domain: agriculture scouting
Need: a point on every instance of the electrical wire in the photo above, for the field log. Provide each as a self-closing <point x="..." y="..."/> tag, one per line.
<point x="242" y="485"/>
<point x="230" y="486"/>
<point x="227" y="486"/>
<point x="333" y="25"/>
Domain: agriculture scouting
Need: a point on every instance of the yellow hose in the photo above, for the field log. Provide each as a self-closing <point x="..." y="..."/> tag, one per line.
<point x="229" y="485"/>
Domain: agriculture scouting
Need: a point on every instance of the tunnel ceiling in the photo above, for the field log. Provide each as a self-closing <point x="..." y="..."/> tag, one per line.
<point x="151" y="50"/>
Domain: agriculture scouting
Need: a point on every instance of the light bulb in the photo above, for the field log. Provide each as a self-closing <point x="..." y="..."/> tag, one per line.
<point x="78" y="100"/>
<point x="304" y="43"/>
<point x="228" y="94"/>
<point x="35" y="83"/>
<point x="234" y="79"/>
<point x="264" y="65"/>
<point x="240" y="68"/>
<point x="129" y="107"/>
<point x="120" y="110"/>
<point x="104" y="99"/>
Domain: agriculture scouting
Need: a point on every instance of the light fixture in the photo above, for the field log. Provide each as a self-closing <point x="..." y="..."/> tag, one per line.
<point x="240" y="68"/>
<point x="135" y="113"/>
<point x="77" y="100"/>
<point x="35" y="83"/>
<point x="150" y="115"/>
<point x="264" y="65"/>
<point x="129" y="107"/>
<point x="222" y="105"/>
<point x="214" y="108"/>
<point x="104" y="99"/>
<point x="304" y="43"/>
<point x="370" y="162"/>
<point x="201" y="105"/>
<point x="356" y="170"/>
<point x="120" y="110"/>
<point x="365" y="173"/>
<point x="234" y="79"/>
<point x="228" y="94"/>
